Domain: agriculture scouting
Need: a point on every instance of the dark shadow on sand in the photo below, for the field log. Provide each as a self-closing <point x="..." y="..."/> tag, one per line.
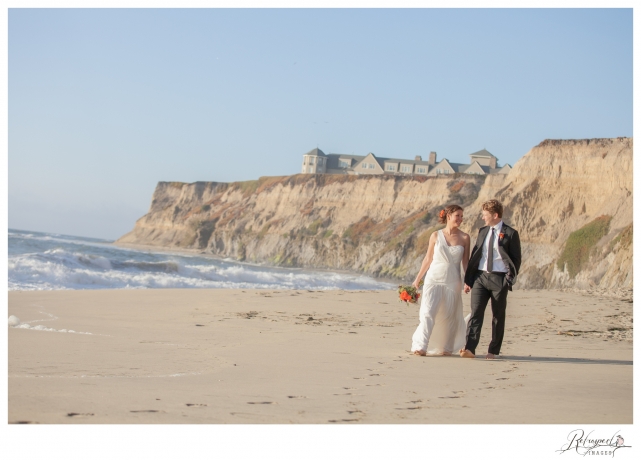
<point x="547" y="359"/>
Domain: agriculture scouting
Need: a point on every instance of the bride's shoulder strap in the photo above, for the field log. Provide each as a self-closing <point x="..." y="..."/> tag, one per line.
<point x="439" y="233"/>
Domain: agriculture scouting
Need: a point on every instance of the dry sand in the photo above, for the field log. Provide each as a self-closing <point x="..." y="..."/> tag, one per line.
<point x="256" y="356"/>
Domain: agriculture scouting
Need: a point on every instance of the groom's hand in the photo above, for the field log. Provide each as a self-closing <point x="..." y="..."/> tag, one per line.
<point x="467" y="289"/>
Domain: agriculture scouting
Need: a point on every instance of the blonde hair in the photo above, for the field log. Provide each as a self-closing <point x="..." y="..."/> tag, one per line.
<point x="493" y="207"/>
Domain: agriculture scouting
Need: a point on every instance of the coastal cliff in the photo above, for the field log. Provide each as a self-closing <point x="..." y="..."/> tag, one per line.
<point x="570" y="200"/>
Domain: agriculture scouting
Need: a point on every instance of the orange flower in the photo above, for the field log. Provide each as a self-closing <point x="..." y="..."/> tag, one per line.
<point x="501" y="235"/>
<point x="405" y="296"/>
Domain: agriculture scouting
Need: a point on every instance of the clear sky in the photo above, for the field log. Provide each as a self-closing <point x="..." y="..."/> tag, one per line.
<point x="104" y="103"/>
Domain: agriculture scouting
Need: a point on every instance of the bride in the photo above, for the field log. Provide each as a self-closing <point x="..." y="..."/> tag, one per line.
<point x="441" y="314"/>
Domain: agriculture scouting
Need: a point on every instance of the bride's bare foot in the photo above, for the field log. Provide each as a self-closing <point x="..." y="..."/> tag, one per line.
<point x="490" y="356"/>
<point x="420" y="353"/>
<point x="446" y="353"/>
<point x="466" y="353"/>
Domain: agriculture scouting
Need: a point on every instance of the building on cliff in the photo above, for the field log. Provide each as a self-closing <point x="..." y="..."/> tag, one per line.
<point x="317" y="162"/>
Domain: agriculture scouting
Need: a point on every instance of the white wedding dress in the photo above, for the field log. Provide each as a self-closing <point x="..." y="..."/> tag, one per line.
<point x="442" y="325"/>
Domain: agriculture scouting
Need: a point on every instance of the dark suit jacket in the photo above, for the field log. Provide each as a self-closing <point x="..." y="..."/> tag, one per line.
<point x="509" y="249"/>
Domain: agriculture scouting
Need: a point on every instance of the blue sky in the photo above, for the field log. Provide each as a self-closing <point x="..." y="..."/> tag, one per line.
<point x="104" y="103"/>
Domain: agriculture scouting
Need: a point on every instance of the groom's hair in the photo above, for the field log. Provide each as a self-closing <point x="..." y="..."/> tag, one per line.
<point x="493" y="207"/>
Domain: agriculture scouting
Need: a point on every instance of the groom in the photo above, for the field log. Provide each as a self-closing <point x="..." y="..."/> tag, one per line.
<point x="491" y="272"/>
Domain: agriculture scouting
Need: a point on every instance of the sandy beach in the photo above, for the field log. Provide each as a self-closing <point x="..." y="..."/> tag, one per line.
<point x="257" y="356"/>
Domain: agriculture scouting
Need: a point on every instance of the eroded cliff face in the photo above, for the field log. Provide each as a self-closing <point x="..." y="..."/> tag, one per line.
<point x="380" y="225"/>
<point x="560" y="187"/>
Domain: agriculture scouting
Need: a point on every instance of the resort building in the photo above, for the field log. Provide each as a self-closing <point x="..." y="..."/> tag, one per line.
<point x="317" y="162"/>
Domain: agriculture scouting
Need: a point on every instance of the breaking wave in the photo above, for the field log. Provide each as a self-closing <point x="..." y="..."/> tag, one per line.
<point x="41" y="261"/>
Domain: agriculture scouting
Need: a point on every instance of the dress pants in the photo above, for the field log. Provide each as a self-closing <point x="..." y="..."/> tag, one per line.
<point x="494" y="287"/>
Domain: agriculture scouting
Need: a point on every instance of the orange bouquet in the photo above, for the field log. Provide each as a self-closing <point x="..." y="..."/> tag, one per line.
<point x="409" y="294"/>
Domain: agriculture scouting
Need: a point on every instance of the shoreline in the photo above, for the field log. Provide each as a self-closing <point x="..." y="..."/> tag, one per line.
<point x="198" y="252"/>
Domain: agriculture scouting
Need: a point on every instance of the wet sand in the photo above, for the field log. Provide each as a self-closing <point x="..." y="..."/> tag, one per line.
<point x="257" y="356"/>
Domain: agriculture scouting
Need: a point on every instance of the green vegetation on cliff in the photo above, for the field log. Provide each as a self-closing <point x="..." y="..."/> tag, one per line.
<point x="580" y="244"/>
<point x="625" y="238"/>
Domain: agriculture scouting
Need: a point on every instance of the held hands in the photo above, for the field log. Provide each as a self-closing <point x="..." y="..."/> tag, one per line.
<point x="467" y="289"/>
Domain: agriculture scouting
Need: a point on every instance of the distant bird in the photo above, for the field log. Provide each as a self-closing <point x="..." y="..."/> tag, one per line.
<point x="619" y="440"/>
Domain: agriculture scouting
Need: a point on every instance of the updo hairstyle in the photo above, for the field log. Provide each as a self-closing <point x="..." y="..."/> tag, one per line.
<point x="451" y="209"/>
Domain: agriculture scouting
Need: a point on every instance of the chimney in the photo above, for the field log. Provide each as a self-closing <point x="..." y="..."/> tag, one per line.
<point x="432" y="159"/>
<point x="418" y="158"/>
<point x="493" y="162"/>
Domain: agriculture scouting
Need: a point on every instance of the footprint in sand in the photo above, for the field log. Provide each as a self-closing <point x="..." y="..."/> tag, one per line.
<point x="139" y="411"/>
<point x="344" y="420"/>
<point x="76" y="414"/>
<point x="195" y="405"/>
<point x="297" y="397"/>
<point x="260" y="402"/>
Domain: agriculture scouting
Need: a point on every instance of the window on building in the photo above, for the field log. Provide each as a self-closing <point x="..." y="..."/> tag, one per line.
<point x="370" y="165"/>
<point x="343" y="164"/>
<point x="311" y="160"/>
<point x="420" y="170"/>
<point x="391" y="168"/>
<point x="364" y="165"/>
<point x="406" y="169"/>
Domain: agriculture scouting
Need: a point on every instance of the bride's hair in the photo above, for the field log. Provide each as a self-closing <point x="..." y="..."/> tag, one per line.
<point x="446" y="211"/>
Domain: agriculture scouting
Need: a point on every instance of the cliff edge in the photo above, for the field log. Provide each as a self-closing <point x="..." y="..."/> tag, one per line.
<point x="570" y="200"/>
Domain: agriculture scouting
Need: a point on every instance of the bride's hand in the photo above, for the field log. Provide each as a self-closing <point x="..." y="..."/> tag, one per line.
<point x="415" y="284"/>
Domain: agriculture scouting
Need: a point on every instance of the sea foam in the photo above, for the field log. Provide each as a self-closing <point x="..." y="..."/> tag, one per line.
<point x="45" y="262"/>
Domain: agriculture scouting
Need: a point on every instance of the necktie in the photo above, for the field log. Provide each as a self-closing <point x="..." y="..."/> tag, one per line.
<point x="490" y="253"/>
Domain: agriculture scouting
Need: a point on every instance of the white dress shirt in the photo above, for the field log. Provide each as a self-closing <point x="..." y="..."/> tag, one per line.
<point x="497" y="262"/>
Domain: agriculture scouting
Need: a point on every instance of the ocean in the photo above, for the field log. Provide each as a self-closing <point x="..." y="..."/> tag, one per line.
<point x="49" y="261"/>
